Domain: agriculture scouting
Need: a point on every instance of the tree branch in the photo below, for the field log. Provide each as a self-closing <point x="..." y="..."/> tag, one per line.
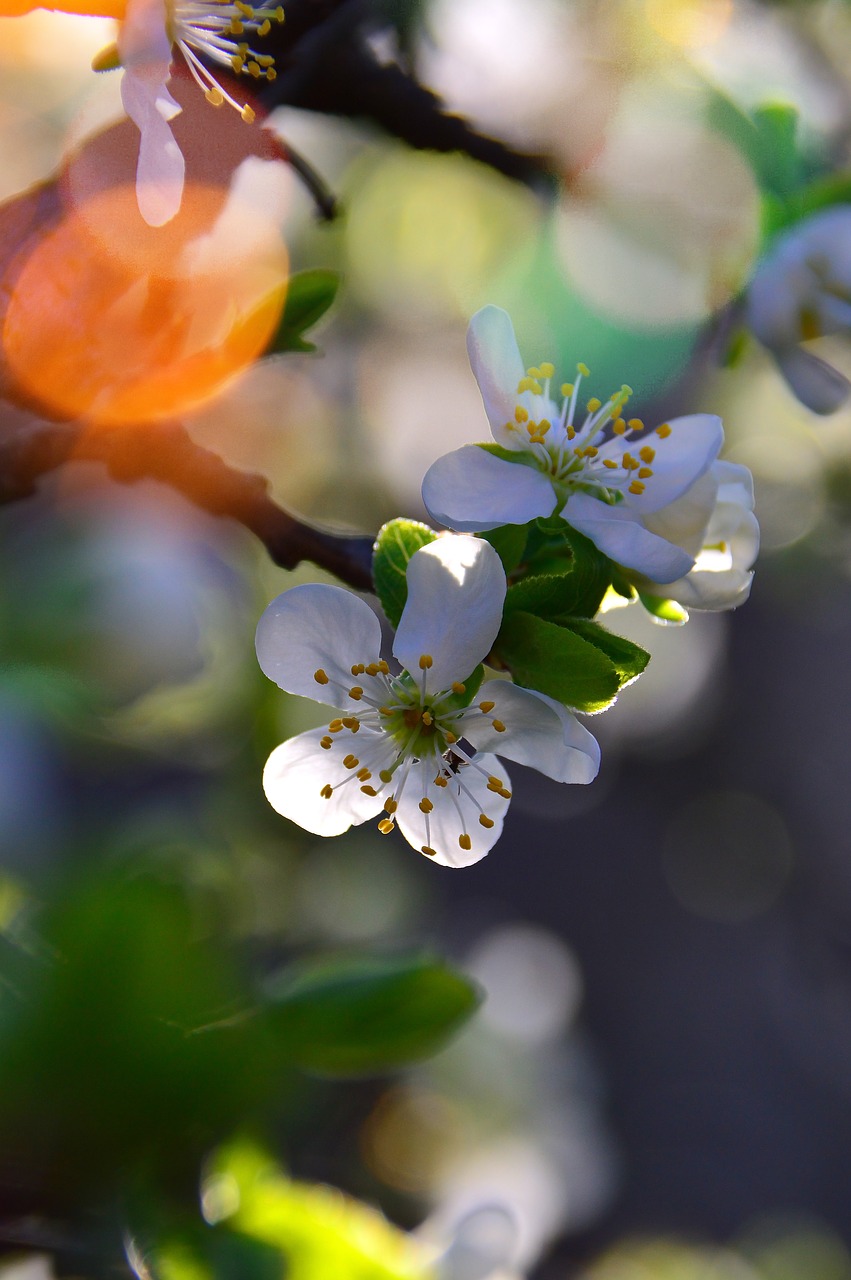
<point x="166" y="452"/>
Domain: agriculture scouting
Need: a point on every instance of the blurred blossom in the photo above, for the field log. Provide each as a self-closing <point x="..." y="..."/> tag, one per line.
<point x="802" y="290"/>
<point x="689" y="24"/>
<point x="670" y="1260"/>
<point x="114" y="321"/>
<point x="727" y="856"/>
<point x="788" y="480"/>
<point x="481" y="1246"/>
<point x="664" y="224"/>
<point x="532" y="981"/>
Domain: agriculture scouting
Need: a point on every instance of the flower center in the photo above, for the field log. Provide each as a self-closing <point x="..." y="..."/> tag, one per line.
<point x="214" y="28"/>
<point x="586" y="456"/>
<point x="412" y="737"/>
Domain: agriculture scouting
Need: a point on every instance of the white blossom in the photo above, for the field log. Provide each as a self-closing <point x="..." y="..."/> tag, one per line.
<point x="148" y="33"/>
<point x="408" y="740"/>
<point x="802" y="290"/>
<point x="607" y="476"/>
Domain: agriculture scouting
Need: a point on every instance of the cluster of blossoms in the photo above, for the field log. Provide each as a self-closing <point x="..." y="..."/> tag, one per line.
<point x="415" y="737"/>
<point x="221" y="32"/>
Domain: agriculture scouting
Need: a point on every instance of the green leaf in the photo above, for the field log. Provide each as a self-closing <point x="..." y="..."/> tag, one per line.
<point x="629" y="659"/>
<point x="397" y="541"/>
<point x="366" y="1015"/>
<point x="780" y="168"/>
<point x="668" y="612"/>
<point x="555" y="660"/>
<point x="309" y="295"/>
<point x="509" y="542"/>
<point x="567" y="576"/>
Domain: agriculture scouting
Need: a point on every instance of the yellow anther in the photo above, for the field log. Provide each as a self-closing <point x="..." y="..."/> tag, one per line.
<point x="610" y="463"/>
<point x="369" y="791"/>
<point x="254" y="69"/>
<point x="664" y="431"/>
<point x="351" y="722"/>
<point x="495" y="783"/>
<point x="278" y="15"/>
<point x="320" y="676"/>
<point x="236" y="28"/>
<point x="372" y="669"/>
<point x="636" y="487"/>
<point x="547" y="369"/>
<point x="529" y="384"/>
<point x="237" y="62"/>
<point x="458" y="687"/>
<point x="265" y="59"/>
<point x="627" y="391"/>
<point x="505" y="793"/>
<point x="430" y="853"/>
<point x="357" y="668"/>
<point x="426" y="661"/>
<point x="215" y="97"/>
<point x="635" y="424"/>
<point x="591" y="452"/>
<point x="570" y="432"/>
<point x="486" y="706"/>
<point x="498" y="725"/>
<point x="386" y="775"/>
<point x="356" y="693"/>
<point x="521" y="414"/>
<point x="584" y="370"/>
<point x="428" y="718"/>
<point x="247" y="114"/>
<point x="364" y="774"/>
<point x="646" y="454"/>
<point x="619" y="427"/>
<point x="271" y="74"/>
<point x="567" y="389"/>
<point x="486" y="821"/>
<point x="390" y="805"/>
<point x="450" y="737"/>
<point x="465" y="842"/>
<point x="350" y="761"/>
<point x="383" y="667"/>
<point x="327" y="791"/>
<point x="644" y="473"/>
<point x="594" y="404"/>
<point x="326" y="742"/>
<point x="426" y="805"/>
<point x="631" y="464"/>
<point x="385" y="711"/>
<point x="386" y="825"/>
<point x="335" y="726"/>
<point x="440" y="781"/>
<point x="264" y="28"/>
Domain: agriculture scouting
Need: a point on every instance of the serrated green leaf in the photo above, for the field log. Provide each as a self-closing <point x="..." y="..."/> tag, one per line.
<point x="509" y="542"/>
<point x="309" y="295"/>
<point x="567" y="575"/>
<point x="629" y="659"/>
<point x="397" y="541"/>
<point x="367" y="1015"/>
<point x="669" y="612"/>
<point x="555" y="660"/>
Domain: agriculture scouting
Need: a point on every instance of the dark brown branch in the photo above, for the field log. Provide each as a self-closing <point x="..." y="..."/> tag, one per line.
<point x="167" y="453"/>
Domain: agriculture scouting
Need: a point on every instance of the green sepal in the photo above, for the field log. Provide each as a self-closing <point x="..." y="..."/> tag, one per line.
<point x="509" y="542"/>
<point x="629" y="659"/>
<point x="557" y="661"/>
<point x="397" y="541"/>
<point x="668" y="612"/>
<point x="309" y="295"/>
<point x="499" y="451"/>
<point x="366" y="1015"/>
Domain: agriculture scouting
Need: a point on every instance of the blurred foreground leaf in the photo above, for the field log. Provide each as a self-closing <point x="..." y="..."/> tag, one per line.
<point x="353" y="1017"/>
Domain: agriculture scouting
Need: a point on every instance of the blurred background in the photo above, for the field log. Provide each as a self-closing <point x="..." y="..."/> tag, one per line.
<point x="658" y="1084"/>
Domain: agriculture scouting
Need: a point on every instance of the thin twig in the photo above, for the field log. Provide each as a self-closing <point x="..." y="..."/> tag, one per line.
<point x="167" y="453"/>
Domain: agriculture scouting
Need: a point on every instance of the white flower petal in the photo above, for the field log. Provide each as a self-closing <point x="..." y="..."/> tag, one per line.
<point x="685" y="521"/>
<point x="456" y="590"/>
<point x="681" y="459"/>
<point x="619" y="534"/>
<point x="497" y="365"/>
<point x="456" y="811"/>
<point x="539" y="732"/>
<point x="297" y="770"/>
<point x="812" y="380"/>
<point x="312" y="628"/>
<point x="161" y="168"/>
<point x="472" y="491"/>
<point x="735" y="484"/>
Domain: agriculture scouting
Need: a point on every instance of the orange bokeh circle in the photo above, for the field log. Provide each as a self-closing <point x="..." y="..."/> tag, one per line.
<point x="117" y="322"/>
